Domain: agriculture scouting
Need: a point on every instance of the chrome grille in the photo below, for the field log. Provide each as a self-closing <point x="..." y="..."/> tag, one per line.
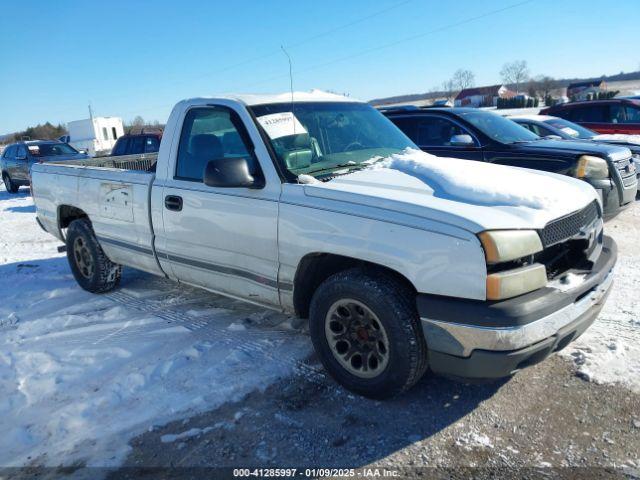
<point x="566" y="227"/>
<point x="627" y="169"/>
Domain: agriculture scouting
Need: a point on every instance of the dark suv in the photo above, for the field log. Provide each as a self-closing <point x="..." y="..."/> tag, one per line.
<point x="475" y="134"/>
<point x="17" y="159"/>
<point x="618" y="115"/>
<point x="135" y="144"/>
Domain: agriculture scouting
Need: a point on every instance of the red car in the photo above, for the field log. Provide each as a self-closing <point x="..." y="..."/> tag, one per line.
<point x="618" y="115"/>
<point x="137" y="143"/>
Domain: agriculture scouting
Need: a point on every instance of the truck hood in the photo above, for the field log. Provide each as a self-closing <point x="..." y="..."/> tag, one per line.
<point x="621" y="138"/>
<point x="472" y="195"/>
<point x="632" y="142"/>
<point x="575" y="148"/>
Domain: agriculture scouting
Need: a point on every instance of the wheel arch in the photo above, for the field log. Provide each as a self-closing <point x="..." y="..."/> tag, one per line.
<point x="315" y="268"/>
<point x="67" y="214"/>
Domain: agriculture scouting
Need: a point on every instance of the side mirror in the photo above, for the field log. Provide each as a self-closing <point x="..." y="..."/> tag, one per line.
<point x="553" y="137"/>
<point x="230" y="172"/>
<point x="462" y="141"/>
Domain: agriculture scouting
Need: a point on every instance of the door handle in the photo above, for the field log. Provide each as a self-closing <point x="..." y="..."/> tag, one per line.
<point x="173" y="202"/>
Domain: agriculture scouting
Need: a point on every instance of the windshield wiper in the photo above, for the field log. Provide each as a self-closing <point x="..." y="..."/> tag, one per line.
<point x="354" y="166"/>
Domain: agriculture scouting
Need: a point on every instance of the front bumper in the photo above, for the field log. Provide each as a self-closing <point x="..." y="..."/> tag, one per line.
<point x="474" y="339"/>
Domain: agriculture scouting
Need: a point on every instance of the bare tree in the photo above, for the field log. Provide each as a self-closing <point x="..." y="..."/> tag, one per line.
<point x="138" y="121"/>
<point x="463" y="79"/>
<point x="515" y="73"/>
<point x="449" y="88"/>
<point x="544" y="84"/>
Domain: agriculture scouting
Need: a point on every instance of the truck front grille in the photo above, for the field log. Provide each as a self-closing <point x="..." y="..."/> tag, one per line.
<point x="564" y="228"/>
<point x="627" y="171"/>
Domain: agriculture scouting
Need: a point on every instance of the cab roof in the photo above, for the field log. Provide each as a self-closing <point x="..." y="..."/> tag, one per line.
<point x="285" y="97"/>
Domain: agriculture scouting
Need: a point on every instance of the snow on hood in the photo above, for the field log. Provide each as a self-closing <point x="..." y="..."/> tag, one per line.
<point x="485" y="183"/>
<point x="618" y="137"/>
<point x="480" y="195"/>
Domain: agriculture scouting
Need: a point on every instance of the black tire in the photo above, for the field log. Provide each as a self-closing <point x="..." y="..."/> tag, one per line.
<point x="8" y="184"/>
<point x="83" y="250"/>
<point x="394" y="306"/>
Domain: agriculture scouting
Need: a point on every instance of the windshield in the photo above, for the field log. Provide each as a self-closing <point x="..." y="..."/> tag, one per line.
<point x="572" y="129"/>
<point x="499" y="128"/>
<point x="318" y="137"/>
<point x="51" y="149"/>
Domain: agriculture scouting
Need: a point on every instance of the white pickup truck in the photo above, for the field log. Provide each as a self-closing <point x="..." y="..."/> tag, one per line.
<point x="317" y="205"/>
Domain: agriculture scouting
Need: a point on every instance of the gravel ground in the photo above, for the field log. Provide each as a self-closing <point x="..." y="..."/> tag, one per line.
<point x="548" y="420"/>
<point x="544" y="417"/>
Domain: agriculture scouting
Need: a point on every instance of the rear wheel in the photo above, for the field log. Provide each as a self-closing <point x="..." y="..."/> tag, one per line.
<point x="90" y="266"/>
<point x="365" y="329"/>
<point x="8" y="184"/>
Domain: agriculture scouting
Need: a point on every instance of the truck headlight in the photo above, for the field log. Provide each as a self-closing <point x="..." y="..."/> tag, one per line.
<point x="592" y="167"/>
<point x="511" y="283"/>
<point x="505" y="245"/>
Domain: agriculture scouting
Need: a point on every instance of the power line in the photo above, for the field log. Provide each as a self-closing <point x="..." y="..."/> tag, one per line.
<point x="398" y="42"/>
<point x="378" y="47"/>
<point x="275" y="52"/>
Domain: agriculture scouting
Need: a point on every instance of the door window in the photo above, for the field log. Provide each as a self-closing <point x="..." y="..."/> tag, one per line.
<point x="210" y="133"/>
<point x="22" y="153"/>
<point x="591" y="113"/>
<point x="436" y="132"/>
<point x="624" y="114"/>
<point x="10" y="152"/>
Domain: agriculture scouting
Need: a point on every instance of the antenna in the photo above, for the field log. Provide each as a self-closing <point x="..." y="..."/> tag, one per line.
<point x="90" y="112"/>
<point x="290" y="87"/>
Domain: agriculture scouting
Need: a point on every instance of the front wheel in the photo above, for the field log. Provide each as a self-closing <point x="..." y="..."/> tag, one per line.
<point x="90" y="266"/>
<point x="366" y="331"/>
<point x="8" y="184"/>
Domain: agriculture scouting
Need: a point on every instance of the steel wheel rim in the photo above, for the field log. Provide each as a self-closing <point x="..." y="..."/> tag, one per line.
<point x="83" y="258"/>
<point x="357" y="338"/>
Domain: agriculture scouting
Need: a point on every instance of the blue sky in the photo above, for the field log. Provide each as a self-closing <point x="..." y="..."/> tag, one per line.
<point x="132" y="58"/>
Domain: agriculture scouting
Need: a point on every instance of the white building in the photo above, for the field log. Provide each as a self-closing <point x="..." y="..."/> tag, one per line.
<point x="96" y="135"/>
<point x="482" y="96"/>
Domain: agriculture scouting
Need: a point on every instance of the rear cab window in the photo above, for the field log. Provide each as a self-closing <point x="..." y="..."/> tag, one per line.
<point x="151" y="144"/>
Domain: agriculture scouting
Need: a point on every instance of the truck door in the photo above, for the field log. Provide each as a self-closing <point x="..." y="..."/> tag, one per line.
<point x="222" y="239"/>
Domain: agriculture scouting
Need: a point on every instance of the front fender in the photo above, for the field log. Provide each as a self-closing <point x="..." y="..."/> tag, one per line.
<point x="434" y="262"/>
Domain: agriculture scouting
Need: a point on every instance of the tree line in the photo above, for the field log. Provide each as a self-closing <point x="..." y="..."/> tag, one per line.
<point x="44" y="131"/>
<point x="49" y="131"/>
<point x="514" y="74"/>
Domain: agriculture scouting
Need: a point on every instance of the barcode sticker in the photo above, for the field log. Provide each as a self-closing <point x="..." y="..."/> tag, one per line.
<point x="281" y="125"/>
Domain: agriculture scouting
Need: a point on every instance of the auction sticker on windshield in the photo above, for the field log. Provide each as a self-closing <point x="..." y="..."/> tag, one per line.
<point x="281" y="125"/>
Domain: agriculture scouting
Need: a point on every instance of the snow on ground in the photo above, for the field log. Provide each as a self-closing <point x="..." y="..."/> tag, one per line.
<point x="609" y="351"/>
<point x="80" y="374"/>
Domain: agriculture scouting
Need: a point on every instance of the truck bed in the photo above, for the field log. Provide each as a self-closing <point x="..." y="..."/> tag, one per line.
<point x="142" y="162"/>
<point x="114" y="192"/>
